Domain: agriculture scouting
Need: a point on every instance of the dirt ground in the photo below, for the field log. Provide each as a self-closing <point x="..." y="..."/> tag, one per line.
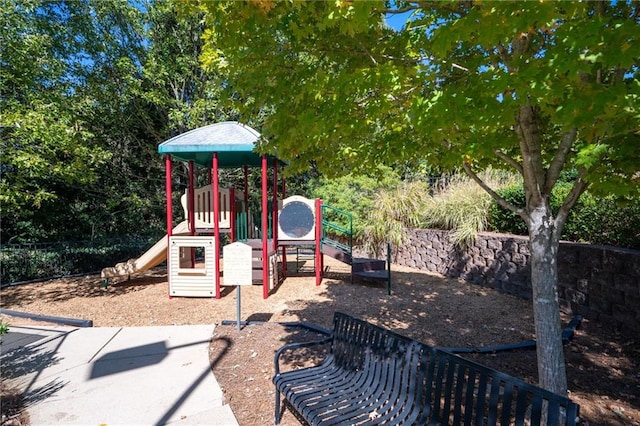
<point x="603" y="365"/>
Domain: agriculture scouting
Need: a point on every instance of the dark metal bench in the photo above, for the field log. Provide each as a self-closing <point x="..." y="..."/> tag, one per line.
<point x="374" y="376"/>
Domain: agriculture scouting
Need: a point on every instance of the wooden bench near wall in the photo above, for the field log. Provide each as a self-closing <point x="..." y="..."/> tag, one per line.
<point x="374" y="376"/>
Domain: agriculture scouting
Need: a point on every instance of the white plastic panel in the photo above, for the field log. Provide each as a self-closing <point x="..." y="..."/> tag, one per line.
<point x="189" y="280"/>
<point x="297" y="219"/>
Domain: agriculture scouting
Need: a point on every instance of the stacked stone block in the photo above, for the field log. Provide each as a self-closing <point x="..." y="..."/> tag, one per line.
<point x="602" y="283"/>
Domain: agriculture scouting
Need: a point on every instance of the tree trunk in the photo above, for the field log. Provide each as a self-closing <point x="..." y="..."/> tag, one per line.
<point x="546" y="308"/>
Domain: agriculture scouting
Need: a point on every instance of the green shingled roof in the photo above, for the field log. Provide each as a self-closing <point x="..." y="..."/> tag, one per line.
<point x="234" y="142"/>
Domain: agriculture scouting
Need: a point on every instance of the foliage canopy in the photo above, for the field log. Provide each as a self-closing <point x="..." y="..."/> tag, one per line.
<point x="88" y="88"/>
<point x="536" y="87"/>
<point x="344" y="88"/>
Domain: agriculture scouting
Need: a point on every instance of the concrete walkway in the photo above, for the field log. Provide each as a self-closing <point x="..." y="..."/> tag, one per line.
<point x="115" y="376"/>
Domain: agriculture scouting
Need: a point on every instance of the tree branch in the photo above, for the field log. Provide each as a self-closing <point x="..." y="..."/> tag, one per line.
<point x="401" y="10"/>
<point x="529" y="139"/>
<point x="634" y="130"/>
<point x="433" y="59"/>
<point x="572" y="197"/>
<point x="504" y="55"/>
<point x="513" y="163"/>
<point x="501" y="201"/>
<point x="559" y="159"/>
<point x="364" y="49"/>
<point x="460" y="67"/>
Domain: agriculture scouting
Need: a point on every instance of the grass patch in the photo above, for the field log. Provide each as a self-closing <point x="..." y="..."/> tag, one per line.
<point x="463" y="207"/>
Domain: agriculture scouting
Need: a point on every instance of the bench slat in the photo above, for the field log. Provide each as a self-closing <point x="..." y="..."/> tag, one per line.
<point x="341" y="394"/>
<point x="480" y="398"/>
<point x="407" y="398"/>
<point x="459" y="392"/>
<point x="494" y="393"/>
<point x="469" y="392"/>
<point x="507" y="399"/>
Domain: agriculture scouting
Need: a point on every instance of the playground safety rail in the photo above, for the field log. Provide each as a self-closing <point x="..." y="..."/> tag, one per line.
<point x="347" y="231"/>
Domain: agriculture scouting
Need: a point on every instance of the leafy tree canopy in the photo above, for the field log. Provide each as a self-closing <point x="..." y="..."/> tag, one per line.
<point x="88" y="88"/>
<point x="42" y="137"/>
<point x="344" y="88"/>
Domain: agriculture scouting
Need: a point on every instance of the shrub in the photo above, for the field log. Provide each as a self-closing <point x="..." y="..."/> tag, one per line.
<point x="503" y="220"/>
<point x="463" y="207"/>
<point x="595" y="220"/>
<point x="23" y="262"/>
<point x="394" y="211"/>
<point x="355" y="193"/>
<point x="605" y="221"/>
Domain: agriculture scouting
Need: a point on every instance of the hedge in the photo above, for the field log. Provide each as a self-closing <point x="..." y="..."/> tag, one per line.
<point x="594" y="220"/>
<point x="25" y="262"/>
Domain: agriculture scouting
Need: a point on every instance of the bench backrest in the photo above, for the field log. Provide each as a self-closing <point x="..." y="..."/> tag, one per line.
<point x="354" y="340"/>
<point x="438" y="387"/>
<point x="459" y="391"/>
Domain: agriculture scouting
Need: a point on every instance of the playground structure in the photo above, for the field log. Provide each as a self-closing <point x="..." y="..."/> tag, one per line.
<point x="192" y="249"/>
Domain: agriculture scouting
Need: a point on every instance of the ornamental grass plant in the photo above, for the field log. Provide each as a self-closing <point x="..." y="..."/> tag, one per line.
<point x="463" y="207"/>
<point x="453" y="203"/>
<point x="393" y="212"/>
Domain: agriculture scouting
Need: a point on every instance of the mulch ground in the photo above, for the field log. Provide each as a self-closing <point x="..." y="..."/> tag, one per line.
<point x="603" y="365"/>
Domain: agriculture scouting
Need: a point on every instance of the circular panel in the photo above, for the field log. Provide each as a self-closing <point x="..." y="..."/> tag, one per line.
<point x="296" y="219"/>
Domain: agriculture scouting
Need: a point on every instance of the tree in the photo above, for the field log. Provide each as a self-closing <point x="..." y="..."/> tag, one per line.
<point x="44" y="144"/>
<point x="537" y="87"/>
<point x="68" y="73"/>
<point x="175" y="83"/>
<point x="88" y="88"/>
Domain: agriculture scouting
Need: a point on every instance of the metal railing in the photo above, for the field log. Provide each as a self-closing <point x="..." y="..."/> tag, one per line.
<point x="337" y="228"/>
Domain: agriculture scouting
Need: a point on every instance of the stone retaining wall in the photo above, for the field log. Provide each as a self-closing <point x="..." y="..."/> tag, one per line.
<point x="602" y="283"/>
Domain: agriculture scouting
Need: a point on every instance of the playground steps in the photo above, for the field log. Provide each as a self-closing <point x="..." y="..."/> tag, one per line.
<point x="364" y="268"/>
<point x="370" y="269"/>
<point x="304" y="255"/>
<point x="256" y="270"/>
<point x="361" y="264"/>
<point x="381" y="275"/>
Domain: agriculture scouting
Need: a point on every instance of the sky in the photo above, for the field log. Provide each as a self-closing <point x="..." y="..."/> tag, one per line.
<point x="397" y="21"/>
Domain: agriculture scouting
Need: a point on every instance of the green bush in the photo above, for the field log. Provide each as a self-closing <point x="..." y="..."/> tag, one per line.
<point x="355" y="194"/>
<point x="605" y="221"/>
<point x="594" y="220"/>
<point x="503" y="220"/>
<point x="395" y="211"/>
<point x="23" y="262"/>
